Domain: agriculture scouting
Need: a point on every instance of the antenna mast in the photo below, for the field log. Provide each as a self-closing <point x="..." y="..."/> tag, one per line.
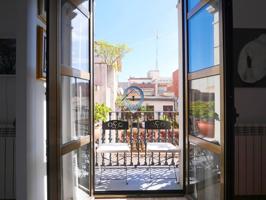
<point x="156" y="61"/>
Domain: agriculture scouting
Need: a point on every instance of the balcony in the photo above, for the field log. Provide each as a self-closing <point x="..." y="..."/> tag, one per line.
<point x="138" y="169"/>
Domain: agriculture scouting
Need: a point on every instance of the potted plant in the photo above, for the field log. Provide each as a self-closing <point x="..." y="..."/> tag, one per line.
<point x="204" y="114"/>
<point x="101" y="112"/>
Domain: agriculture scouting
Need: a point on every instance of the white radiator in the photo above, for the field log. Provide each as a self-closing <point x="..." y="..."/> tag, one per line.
<point x="7" y="162"/>
<point x="250" y="159"/>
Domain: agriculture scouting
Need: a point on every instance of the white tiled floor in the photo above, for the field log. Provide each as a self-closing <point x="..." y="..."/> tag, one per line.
<point x="138" y="179"/>
<point x="162" y="198"/>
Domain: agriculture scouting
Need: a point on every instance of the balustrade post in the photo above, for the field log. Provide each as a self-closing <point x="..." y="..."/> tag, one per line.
<point x="159" y="138"/>
<point x="124" y="139"/>
<point x="103" y="135"/>
<point x="145" y="146"/>
<point x="166" y="134"/>
<point x="173" y="137"/>
<point x="138" y="141"/>
<point x="116" y="139"/>
<point x="96" y="159"/>
<point x="131" y="140"/>
<point x="166" y="140"/>
<point x="103" y="140"/>
<point x="152" y="140"/>
<point x="116" y="132"/>
<point x="110" y="139"/>
<point x="110" y="132"/>
<point x="145" y="141"/>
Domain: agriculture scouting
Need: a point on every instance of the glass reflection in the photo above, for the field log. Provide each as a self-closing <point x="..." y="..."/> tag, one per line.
<point x="75" y="105"/>
<point x="68" y="109"/>
<point x="192" y="4"/>
<point x="205" y="108"/>
<point x="203" y="33"/>
<point x="204" y="173"/>
<point x="85" y="4"/>
<point x="75" y="46"/>
<point x="82" y="107"/>
<point x="75" y="174"/>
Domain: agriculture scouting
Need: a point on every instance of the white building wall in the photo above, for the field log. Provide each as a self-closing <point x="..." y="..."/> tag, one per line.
<point x="112" y="84"/>
<point x="106" y="85"/>
<point x="100" y="83"/>
<point x="158" y="105"/>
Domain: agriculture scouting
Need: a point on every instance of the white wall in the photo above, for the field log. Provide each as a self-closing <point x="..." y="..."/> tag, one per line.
<point x="30" y="106"/>
<point x="36" y="115"/>
<point x="250" y="102"/>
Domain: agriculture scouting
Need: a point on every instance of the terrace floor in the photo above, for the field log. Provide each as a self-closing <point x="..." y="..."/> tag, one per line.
<point x="155" y="198"/>
<point x="163" y="178"/>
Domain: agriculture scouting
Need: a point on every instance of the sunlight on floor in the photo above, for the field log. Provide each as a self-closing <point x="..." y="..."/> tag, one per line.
<point x="138" y="179"/>
<point x="162" y="198"/>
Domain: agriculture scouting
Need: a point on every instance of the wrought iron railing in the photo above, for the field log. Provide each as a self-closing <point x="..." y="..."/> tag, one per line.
<point x="137" y="136"/>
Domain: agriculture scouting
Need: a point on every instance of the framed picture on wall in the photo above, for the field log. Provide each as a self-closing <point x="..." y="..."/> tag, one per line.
<point x="41" y="53"/>
<point x="7" y="56"/>
<point x="42" y="10"/>
<point x="250" y="57"/>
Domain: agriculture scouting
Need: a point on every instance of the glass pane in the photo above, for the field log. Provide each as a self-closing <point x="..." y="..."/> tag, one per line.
<point x="203" y="33"/>
<point x="68" y="109"/>
<point x="192" y="4"/>
<point x="75" y="108"/>
<point x="204" y="173"/>
<point x="75" y="172"/>
<point x="85" y="4"/>
<point x="205" y="108"/>
<point x="82" y="107"/>
<point x="75" y="46"/>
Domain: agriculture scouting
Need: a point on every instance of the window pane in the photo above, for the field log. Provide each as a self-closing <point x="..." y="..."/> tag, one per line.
<point x="75" y="105"/>
<point x="85" y="4"/>
<point x="204" y="117"/>
<point x="82" y="107"/>
<point x="75" y="46"/>
<point x="203" y="31"/>
<point x="75" y="172"/>
<point x="204" y="173"/>
<point x="192" y="4"/>
<point x="68" y="109"/>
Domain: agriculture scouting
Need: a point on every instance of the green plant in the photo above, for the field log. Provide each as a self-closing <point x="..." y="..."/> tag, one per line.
<point x="203" y="111"/>
<point x="111" y="54"/>
<point x="119" y="102"/>
<point x="170" y="117"/>
<point x="101" y="112"/>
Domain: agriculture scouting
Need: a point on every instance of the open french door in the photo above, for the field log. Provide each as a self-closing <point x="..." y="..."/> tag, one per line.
<point x="205" y="96"/>
<point x="70" y="146"/>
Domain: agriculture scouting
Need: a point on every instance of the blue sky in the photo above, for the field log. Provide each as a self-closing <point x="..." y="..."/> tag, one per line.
<point x="135" y="23"/>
